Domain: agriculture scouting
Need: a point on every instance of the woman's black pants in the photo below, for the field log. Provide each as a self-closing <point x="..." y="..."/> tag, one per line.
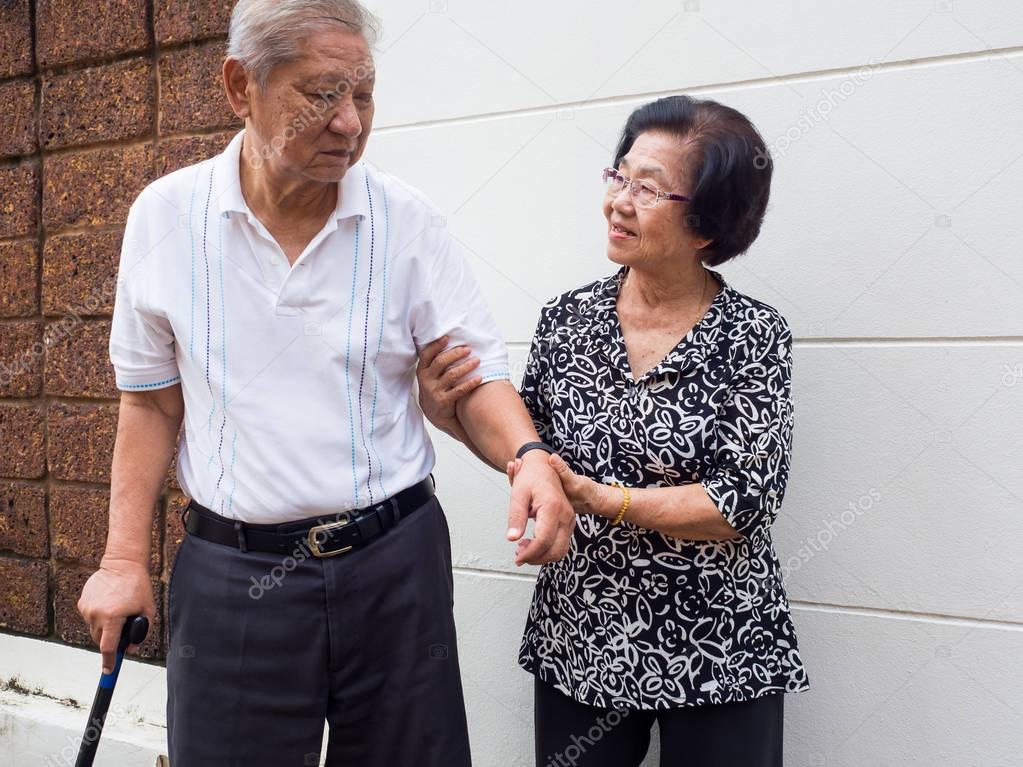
<point x="573" y="734"/>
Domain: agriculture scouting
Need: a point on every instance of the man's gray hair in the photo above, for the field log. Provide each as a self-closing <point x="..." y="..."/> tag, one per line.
<point x="267" y="33"/>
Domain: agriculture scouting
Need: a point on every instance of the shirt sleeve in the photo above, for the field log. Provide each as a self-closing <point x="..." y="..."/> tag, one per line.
<point x="754" y="441"/>
<point x="537" y="367"/>
<point x="142" y="347"/>
<point x="451" y="304"/>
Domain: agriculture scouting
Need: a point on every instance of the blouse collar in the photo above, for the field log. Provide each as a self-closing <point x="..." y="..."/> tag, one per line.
<point x="699" y="343"/>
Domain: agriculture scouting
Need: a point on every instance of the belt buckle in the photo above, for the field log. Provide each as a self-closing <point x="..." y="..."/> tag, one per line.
<point x="319" y="534"/>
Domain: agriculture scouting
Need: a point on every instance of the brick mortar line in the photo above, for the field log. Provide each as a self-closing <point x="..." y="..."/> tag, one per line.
<point x="64" y="231"/>
<point x="140" y="139"/>
<point x="21" y="239"/>
<point x="50" y="318"/>
<point x="200" y="133"/>
<point x="154" y="53"/>
<point x="84" y="484"/>
<point x="78" y="484"/>
<point x="43" y="401"/>
<point x="79" y="399"/>
<point x="71" y="67"/>
<point x="51" y="589"/>
<point x="11" y="555"/>
<point x="161" y="501"/>
<point x="17" y="161"/>
<point x="16" y="556"/>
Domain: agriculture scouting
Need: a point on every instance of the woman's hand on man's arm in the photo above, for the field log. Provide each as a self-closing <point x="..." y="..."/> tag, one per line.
<point x="443" y="378"/>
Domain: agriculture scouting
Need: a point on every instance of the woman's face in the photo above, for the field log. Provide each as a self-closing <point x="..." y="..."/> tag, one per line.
<point x="651" y="237"/>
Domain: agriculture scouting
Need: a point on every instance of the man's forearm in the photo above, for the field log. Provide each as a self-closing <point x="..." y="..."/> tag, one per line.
<point x="496" y="422"/>
<point x="455" y="430"/>
<point x="143" y="449"/>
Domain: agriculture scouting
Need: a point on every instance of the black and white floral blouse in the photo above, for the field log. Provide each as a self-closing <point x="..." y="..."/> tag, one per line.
<point x="631" y="617"/>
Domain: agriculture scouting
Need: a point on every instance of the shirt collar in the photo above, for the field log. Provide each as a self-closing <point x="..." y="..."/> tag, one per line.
<point x="700" y="343"/>
<point x="352" y="197"/>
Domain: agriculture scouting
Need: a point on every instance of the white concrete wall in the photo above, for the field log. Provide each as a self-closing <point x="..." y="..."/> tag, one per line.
<point x="892" y="246"/>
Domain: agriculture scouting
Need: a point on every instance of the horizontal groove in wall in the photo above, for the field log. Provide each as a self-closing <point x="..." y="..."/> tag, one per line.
<point x="876" y="612"/>
<point x="867" y="342"/>
<point x="792" y="79"/>
<point x="869" y="612"/>
<point x="914" y="341"/>
<point x="795" y="78"/>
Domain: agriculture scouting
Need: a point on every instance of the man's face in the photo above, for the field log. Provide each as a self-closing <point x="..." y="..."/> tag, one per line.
<point x="315" y="116"/>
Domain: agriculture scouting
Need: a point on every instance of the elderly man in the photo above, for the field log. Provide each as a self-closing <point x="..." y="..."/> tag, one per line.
<point x="276" y="299"/>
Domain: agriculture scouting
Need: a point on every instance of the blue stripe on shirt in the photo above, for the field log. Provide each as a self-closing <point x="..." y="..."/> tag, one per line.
<point x="348" y="357"/>
<point x="365" y="338"/>
<point x="380" y="338"/>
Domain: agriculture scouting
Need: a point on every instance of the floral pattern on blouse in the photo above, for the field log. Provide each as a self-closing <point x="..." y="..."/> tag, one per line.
<point x="631" y="617"/>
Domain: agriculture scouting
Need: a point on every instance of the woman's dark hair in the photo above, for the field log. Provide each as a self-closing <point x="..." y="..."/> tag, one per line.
<point x="730" y="169"/>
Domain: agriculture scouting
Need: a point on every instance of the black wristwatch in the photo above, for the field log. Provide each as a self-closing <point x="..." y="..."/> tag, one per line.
<point x="534" y="446"/>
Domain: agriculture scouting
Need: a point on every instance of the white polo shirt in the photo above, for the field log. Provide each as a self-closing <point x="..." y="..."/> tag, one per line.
<point x="297" y="381"/>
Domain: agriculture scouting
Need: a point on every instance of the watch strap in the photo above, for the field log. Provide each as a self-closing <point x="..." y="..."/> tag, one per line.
<point x="534" y="446"/>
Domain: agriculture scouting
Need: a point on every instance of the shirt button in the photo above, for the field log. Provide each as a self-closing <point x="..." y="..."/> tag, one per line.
<point x="274" y="261"/>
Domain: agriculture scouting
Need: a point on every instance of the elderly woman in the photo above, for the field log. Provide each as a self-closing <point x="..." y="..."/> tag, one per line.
<point x="664" y="395"/>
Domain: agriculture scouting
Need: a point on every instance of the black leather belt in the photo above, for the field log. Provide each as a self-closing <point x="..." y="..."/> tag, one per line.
<point x="320" y="536"/>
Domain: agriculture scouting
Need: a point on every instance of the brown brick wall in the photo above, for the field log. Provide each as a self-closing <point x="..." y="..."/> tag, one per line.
<point x="99" y="98"/>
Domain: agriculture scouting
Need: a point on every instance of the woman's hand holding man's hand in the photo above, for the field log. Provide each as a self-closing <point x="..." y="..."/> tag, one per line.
<point x="585" y="495"/>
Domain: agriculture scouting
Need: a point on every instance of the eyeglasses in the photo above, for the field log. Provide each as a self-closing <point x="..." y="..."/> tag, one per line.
<point x="643" y="195"/>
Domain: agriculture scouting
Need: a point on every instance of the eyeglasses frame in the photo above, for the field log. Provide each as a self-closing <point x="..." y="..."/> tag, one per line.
<point x="659" y="195"/>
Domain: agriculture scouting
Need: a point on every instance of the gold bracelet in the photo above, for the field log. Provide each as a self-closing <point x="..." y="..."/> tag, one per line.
<point x="626" y="498"/>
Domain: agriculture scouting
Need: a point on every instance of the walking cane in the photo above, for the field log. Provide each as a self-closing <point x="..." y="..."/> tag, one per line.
<point x="134" y="632"/>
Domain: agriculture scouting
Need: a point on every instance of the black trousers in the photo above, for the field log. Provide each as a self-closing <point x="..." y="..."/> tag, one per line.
<point x="264" y="650"/>
<point x="572" y="734"/>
